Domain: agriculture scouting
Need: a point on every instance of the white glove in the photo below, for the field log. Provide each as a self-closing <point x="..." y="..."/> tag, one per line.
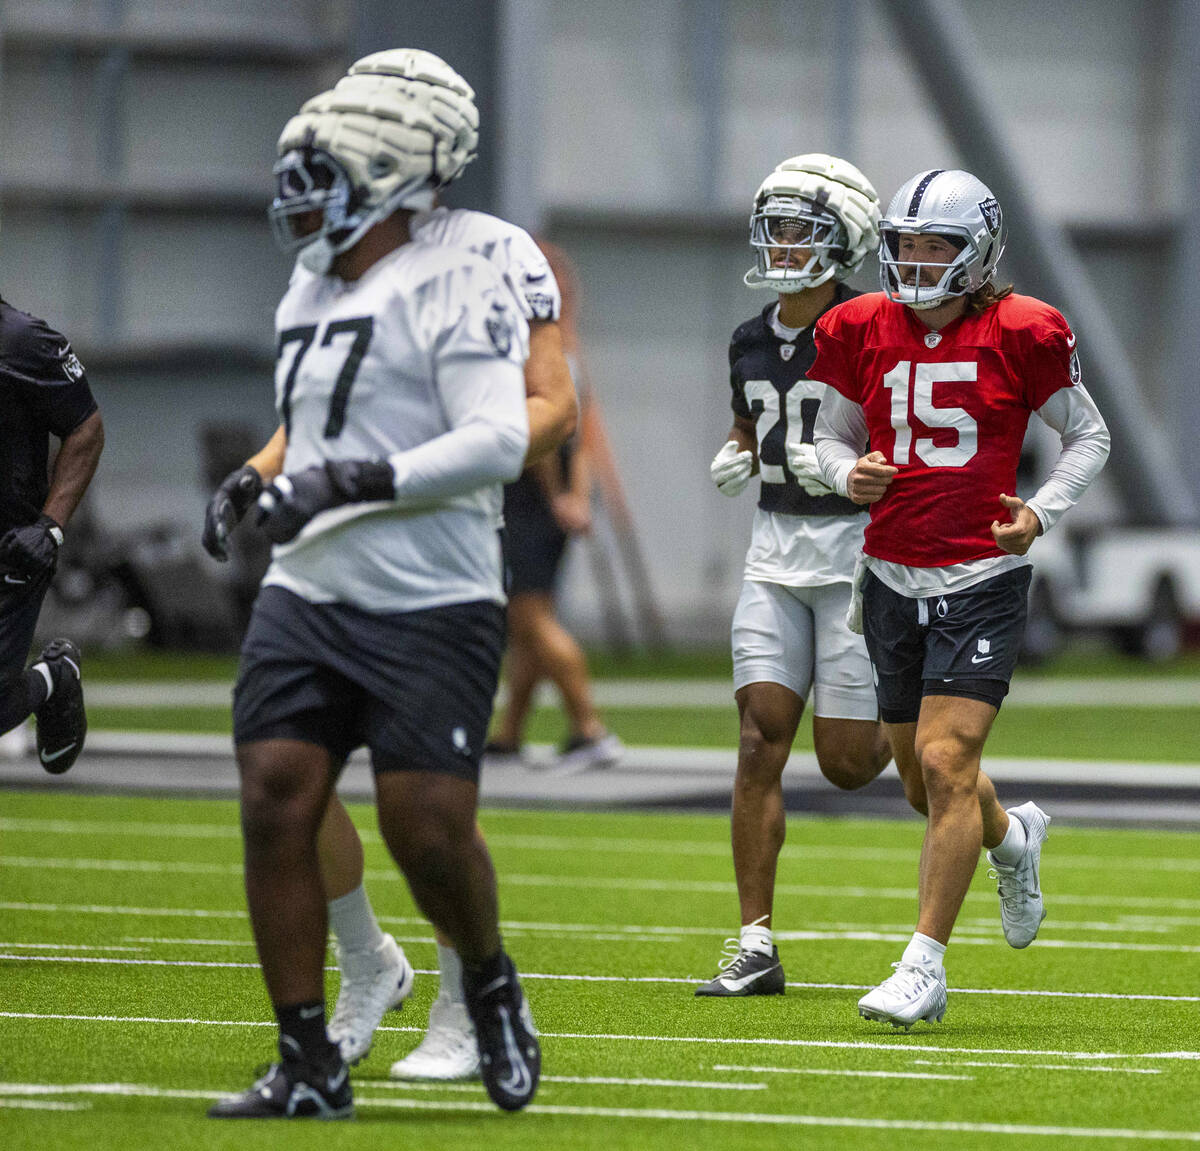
<point x="802" y="463"/>
<point x="854" y="619"/>
<point x="731" y="469"/>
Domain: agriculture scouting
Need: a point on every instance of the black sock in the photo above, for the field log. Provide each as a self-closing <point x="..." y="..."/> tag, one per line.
<point x="20" y="697"/>
<point x="36" y="690"/>
<point x="304" y="1024"/>
<point x="481" y="974"/>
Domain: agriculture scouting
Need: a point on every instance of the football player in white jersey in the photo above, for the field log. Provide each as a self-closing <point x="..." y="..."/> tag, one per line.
<point x="815" y="218"/>
<point x="380" y="620"/>
<point x="376" y="975"/>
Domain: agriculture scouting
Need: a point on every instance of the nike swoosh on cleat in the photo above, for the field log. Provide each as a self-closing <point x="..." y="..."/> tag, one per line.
<point x="336" y="1081"/>
<point x="745" y="981"/>
<point x="50" y="757"/>
<point x="519" y="1082"/>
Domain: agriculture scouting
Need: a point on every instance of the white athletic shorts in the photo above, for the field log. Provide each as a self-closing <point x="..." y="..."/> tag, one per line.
<point x="797" y="637"/>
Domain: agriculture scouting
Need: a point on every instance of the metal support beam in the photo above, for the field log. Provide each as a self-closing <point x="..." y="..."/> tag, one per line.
<point x="1143" y="463"/>
<point x="1184" y="361"/>
<point x="521" y="96"/>
<point x="845" y="50"/>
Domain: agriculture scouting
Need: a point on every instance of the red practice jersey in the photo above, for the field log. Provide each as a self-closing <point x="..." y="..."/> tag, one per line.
<point x="949" y="409"/>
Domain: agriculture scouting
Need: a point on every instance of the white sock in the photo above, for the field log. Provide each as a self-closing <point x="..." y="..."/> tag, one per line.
<point x="924" y="952"/>
<point x="353" y="922"/>
<point x="43" y="670"/>
<point x="1012" y="846"/>
<point x="756" y="937"/>
<point x="450" y="974"/>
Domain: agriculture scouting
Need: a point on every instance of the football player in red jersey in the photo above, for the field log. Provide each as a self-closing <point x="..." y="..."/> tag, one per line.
<point x="940" y="373"/>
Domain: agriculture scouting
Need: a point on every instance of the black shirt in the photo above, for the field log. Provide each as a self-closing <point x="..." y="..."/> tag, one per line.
<point x="43" y="392"/>
<point x="761" y="359"/>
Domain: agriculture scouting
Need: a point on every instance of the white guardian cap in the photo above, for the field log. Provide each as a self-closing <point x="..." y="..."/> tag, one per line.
<point x="948" y="203"/>
<point x="814" y="219"/>
<point x="377" y="142"/>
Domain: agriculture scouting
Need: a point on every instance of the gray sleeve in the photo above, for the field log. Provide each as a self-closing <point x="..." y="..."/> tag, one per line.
<point x="1085" y="442"/>
<point x="840" y="436"/>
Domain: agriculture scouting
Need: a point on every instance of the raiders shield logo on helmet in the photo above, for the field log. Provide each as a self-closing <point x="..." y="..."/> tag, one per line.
<point x="991" y="214"/>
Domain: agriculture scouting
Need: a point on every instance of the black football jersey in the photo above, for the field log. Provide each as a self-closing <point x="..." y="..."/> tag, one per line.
<point x="767" y="375"/>
<point x="43" y="391"/>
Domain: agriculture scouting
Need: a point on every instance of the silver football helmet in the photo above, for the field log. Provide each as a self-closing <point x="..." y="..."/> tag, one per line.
<point x="381" y="139"/>
<point x="814" y="219"/>
<point x="953" y="204"/>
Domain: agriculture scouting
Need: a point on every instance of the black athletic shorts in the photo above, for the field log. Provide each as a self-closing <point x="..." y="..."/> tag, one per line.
<point x="416" y="688"/>
<point x="20" y="605"/>
<point x="962" y="644"/>
<point x="533" y="542"/>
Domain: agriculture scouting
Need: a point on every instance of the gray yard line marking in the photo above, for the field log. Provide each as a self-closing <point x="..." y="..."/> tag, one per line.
<point x="900" y="1044"/>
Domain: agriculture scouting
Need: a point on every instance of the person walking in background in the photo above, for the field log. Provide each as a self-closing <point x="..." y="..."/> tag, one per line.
<point x="940" y="373"/>
<point x="45" y="393"/>
<point x="813" y="223"/>
<point x="543" y="509"/>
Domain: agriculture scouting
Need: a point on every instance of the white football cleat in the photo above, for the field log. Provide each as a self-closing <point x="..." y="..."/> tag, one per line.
<point x="449" y="1050"/>
<point x="373" y="983"/>
<point x="912" y="993"/>
<point x="1021" y="906"/>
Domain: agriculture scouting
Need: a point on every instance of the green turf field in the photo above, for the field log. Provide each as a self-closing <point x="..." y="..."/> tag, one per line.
<point x="131" y="996"/>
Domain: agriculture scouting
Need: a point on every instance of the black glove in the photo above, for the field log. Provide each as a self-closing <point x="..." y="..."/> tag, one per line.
<point x="32" y="550"/>
<point x="291" y="501"/>
<point x="230" y="502"/>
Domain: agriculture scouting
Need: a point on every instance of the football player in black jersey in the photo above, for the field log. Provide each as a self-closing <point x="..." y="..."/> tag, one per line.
<point x="45" y="393"/>
<point x="814" y="220"/>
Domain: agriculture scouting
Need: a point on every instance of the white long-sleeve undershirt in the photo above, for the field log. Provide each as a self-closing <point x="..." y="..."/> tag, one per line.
<point x="841" y="433"/>
<point x="484" y="401"/>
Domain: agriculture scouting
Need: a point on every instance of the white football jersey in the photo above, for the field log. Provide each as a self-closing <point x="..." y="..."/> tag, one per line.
<point x="509" y="249"/>
<point x="358" y="376"/>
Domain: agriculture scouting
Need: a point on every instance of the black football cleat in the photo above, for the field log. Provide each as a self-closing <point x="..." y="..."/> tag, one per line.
<point x="61" y="720"/>
<point x="750" y="973"/>
<point x="292" y="1089"/>
<point x="510" y="1059"/>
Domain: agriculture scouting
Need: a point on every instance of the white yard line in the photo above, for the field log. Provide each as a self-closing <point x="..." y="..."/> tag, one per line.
<point x="561" y="977"/>
<point x="739" y="1118"/>
<point x="899" y="1045"/>
<point x="838" y="1071"/>
<point x="610" y="930"/>
<point x="576" y="845"/>
<point x="1036" y="1066"/>
<point x="704" y="694"/>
